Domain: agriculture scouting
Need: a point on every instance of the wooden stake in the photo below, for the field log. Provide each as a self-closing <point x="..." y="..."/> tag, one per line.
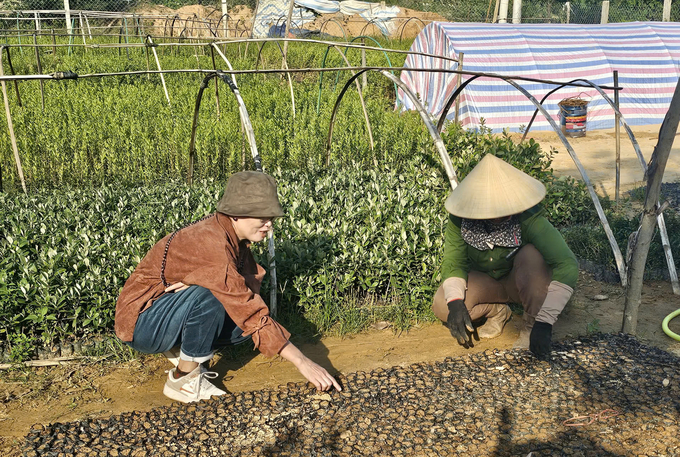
<point x="643" y="237"/>
<point x="604" y="18"/>
<point x="461" y="55"/>
<point x="13" y="139"/>
<point x="617" y="134"/>
<point x="288" y="19"/>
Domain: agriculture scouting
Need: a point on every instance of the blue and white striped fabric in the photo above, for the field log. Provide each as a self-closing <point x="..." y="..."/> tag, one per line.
<point x="646" y="55"/>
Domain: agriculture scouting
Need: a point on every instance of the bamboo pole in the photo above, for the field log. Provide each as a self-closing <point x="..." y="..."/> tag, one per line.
<point x="288" y="19"/>
<point x="424" y="115"/>
<point x="10" y="125"/>
<point x="495" y="12"/>
<point x="642" y="238"/>
<point x="617" y="134"/>
<point x="87" y="23"/>
<point x="363" y="108"/>
<point x="82" y="30"/>
<point x="158" y="64"/>
<point x="461" y="55"/>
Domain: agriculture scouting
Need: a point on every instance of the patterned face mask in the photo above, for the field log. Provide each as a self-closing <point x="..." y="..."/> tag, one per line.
<point x="484" y="235"/>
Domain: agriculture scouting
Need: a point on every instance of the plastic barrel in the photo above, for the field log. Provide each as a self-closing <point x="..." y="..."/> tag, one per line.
<point x="573" y="120"/>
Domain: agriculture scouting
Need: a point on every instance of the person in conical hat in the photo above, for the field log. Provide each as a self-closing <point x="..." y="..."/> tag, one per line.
<point x="500" y="248"/>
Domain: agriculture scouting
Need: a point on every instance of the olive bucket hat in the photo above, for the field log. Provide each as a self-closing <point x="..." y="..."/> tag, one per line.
<point x="250" y="194"/>
<point x="494" y="188"/>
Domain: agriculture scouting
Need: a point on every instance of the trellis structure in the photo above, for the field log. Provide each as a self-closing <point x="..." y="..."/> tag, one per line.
<point x="228" y="77"/>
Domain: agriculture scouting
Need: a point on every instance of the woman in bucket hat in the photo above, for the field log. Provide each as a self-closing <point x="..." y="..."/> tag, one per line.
<point x="198" y="288"/>
<point x="500" y="248"/>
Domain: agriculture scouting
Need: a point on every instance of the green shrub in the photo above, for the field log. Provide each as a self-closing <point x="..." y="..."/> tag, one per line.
<point x="357" y="245"/>
<point x="122" y="130"/>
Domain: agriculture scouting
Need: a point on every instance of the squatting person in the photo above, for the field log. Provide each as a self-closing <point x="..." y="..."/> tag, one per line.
<point x="198" y="288"/>
<point x="500" y="248"/>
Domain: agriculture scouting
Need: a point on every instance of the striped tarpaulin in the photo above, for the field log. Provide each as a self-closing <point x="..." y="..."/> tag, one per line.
<point x="646" y="55"/>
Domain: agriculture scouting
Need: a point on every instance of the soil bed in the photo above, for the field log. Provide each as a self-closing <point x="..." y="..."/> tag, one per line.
<point x="497" y="402"/>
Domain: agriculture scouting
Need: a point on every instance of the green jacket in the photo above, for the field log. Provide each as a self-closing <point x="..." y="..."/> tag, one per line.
<point x="459" y="257"/>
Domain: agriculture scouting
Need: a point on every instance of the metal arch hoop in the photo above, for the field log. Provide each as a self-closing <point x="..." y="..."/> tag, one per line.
<point x="221" y="54"/>
<point x="620" y="263"/>
<point x="636" y="146"/>
<point x="403" y="26"/>
<point x="439" y="143"/>
<point x="361" y="98"/>
<point x="672" y="272"/>
<point x="452" y="99"/>
<point x="245" y="29"/>
<point x="250" y="134"/>
<point x="172" y="25"/>
<point x="290" y="79"/>
<point x="11" y="69"/>
<point x="10" y="125"/>
<point x="371" y="22"/>
<point x="192" y="21"/>
<point x="335" y="21"/>
<point x="217" y="27"/>
<point x="243" y="113"/>
<point x="347" y="48"/>
<point x="278" y="21"/>
<point x="210" y="29"/>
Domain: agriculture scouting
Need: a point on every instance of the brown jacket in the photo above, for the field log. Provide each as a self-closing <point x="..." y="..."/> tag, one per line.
<point x="205" y="254"/>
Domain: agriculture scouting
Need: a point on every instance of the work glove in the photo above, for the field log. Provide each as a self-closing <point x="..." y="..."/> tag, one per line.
<point x="459" y="321"/>
<point x="539" y="341"/>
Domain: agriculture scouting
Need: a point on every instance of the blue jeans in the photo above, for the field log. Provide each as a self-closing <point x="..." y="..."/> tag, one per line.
<point x="193" y="318"/>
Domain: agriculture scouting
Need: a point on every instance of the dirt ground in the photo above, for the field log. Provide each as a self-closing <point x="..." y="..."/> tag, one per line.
<point x="74" y="392"/>
<point x="597" y="152"/>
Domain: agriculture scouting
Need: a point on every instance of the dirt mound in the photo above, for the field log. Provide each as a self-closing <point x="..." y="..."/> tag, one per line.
<point x="202" y="21"/>
<point x="196" y="20"/>
<point x="406" y="25"/>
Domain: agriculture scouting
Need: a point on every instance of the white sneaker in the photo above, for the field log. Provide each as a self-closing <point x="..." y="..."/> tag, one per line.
<point x="192" y="387"/>
<point x="173" y="355"/>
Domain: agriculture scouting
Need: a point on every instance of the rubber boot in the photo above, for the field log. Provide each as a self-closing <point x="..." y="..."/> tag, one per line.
<point x="524" y="333"/>
<point x="495" y="321"/>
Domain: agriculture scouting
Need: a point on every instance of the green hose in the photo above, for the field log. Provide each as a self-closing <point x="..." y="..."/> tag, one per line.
<point x="664" y="325"/>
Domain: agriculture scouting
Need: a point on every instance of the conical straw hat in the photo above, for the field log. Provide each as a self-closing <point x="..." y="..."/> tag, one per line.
<point x="492" y="189"/>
